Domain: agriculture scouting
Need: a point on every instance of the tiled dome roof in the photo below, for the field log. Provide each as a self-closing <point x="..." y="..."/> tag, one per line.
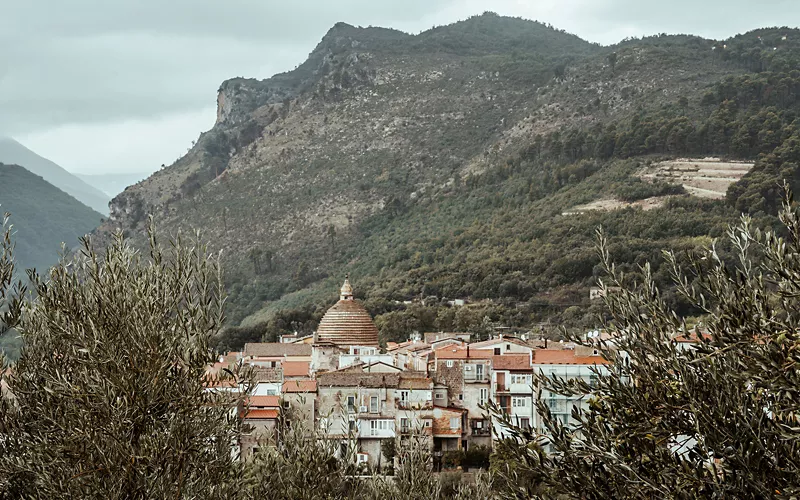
<point x="347" y="323"/>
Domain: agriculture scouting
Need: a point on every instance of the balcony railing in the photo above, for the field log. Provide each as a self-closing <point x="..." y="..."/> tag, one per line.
<point x="483" y="431"/>
<point x="473" y="378"/>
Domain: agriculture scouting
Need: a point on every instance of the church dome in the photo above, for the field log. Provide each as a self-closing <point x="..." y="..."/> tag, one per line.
<point x="347" y="323"/>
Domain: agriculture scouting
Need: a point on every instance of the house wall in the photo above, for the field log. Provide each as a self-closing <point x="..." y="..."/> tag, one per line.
<point x="503" y="390"/>
<point x="267" y="389"/>
<point x="261" y="433"/>
<point x="346" y="360"/>
<point x="302" y="407"/>
<point x="333" y="405"/>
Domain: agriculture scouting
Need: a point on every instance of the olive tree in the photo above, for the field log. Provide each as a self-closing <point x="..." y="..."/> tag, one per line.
<point x="11" y="291"/>
<point x="110" y="397"/>
<point x="717" y="419"/>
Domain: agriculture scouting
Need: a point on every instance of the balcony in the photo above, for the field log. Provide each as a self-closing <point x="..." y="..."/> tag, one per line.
<point x="473" y="378"/>
<point x="501" y="388"/>
<point x="413" y="405"/>
<point x="483" y="431"/>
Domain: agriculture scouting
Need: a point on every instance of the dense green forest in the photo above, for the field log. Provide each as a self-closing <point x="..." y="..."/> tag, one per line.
<point x="43" y="217"/>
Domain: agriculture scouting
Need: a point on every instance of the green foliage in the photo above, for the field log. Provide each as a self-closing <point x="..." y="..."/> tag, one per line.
<point x="715" y="420"/>
<point x="514" y="466"/>
<point x="304" y="465"/>
<point x="477" y="456"/>
<point x="44" y="217"/>
<point x="109" y="393"/>
<point x="452" y="459"/>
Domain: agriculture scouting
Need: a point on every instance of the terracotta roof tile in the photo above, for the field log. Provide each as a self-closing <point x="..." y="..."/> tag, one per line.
<point x="264" y="401"/>
<point x="357" y="379"/>
<point x="415" y="380"/>
<point x="513" y="362"/>
<point x="299" y="386"/>
<point x="564" y="357"/>
<point x="296" y="368"/>
<point x="262" y="414"/>
<point x="276" y="349"/>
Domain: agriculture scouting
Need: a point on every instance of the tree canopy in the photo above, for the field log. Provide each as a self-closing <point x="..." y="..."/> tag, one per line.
<point x="716" y="420"/>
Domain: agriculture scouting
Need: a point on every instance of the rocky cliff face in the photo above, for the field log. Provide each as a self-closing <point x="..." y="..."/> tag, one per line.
<point x="377" y="121"/>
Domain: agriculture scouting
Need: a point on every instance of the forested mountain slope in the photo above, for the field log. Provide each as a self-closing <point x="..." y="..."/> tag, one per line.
<point x="439" y="165"/>
<point x="43" y="217"/>
<point x="14" y="153"/>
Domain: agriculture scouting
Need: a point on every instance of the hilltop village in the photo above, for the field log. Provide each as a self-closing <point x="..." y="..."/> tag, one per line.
<point x="341" y="382"/>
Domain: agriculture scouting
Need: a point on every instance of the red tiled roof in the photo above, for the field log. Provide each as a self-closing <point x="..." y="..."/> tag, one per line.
<point x="564" y="357"/>
<point x="514" y="362"/>
<point x="276" y="349"/>
<point x="264" y="401"/>
<point x="295" y="368"/>
<point x="414" y="380"/>
<point x="269" y="414"/>
<point x="300" y="386"/>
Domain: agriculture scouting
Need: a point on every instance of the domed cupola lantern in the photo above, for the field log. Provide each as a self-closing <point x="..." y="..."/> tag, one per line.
<point x="347" y="323"/>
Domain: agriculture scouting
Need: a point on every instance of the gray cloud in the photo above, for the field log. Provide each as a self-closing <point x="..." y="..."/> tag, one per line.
<point x="87" y="61"/>
<point x="73" y="70"/>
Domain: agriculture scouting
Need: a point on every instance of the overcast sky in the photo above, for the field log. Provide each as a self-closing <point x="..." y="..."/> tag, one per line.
<point x="103" y="86"/>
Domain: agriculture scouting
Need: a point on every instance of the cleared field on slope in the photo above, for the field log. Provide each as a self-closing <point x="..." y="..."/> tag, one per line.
<point x="701" y="177"/>
<point x="705" y="178"/>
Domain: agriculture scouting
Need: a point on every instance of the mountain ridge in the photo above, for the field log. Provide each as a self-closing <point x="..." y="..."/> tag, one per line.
<point x="12" y="152"/>
<point x="43" y="216"/>
<point x="351" y="161"/>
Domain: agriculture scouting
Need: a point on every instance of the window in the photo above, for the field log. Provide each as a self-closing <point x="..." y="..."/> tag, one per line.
<point x="403" y="396"/>
<point x="286" y="405"/>
<point x="439" y="395"/>
<point x="373" y="404"/>
<point x="521" y="379"/>
<point x="351" y="404"/>
<point x="593" y="380"/>
<point x="377" y="426"/>
<point x="496" y="351"/>
<point x="478" y="371"/>
<point x="351" y="425"/>
<point x="508" y="347"/>
<point x="272" y="392"/>
<point x="484" y="396"/>
<point x="455" y="423"/>
<point x="404" y="425"/>
<point x="461" y="397"/>
<point x="478" y="424"/>
<point x="525" y="423"/>
<point x="449" y="363"/>
<point x="519" y="402"/>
